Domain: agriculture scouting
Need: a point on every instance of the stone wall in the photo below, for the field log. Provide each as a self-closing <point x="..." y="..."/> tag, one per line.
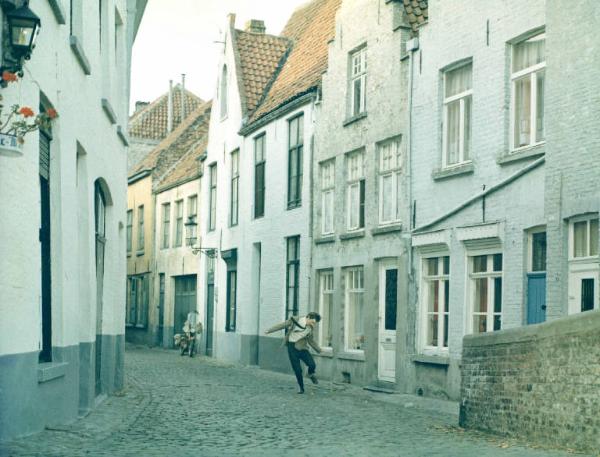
<point x="539" y="382"/>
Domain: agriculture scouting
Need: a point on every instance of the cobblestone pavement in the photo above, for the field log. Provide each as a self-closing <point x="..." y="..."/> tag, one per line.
<point x="177" y="406"/>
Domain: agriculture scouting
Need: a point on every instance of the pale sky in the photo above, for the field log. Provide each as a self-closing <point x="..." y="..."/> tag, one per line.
<point x="177" y="36"/>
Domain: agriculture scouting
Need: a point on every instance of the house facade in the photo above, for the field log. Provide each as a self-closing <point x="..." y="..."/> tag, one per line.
<point x="360" y="208"/>
<point x="61" y="332"/>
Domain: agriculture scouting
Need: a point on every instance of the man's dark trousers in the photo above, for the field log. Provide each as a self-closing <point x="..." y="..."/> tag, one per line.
<point x="295" y="357"/>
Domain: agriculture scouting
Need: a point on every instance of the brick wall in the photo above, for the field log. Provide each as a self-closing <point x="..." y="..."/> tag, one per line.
<point x="539" y="382"/>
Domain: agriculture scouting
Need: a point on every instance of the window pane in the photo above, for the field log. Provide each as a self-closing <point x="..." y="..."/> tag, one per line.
<point x="580" y="239"/>
<point x="357" y="90"/>
<point x="587" y="294"/>
<point x="539" y="109"/>
<point x="432" y="330"/>
<point x="594" y="237"/>
<point x="432" y="266"/>
<point x="458" y="80"/>
<point x="529" y="52"/>
<point x="479" y="264"/>
<point x="522" y="111"/>
<point x="538" y="255"/>
<point x="391" y="298"/>
<point x="497" y="295"/>
<point x="445" y="317"/>
<point x="497" y="262"/>
<point x="497" y="323"/>
<point x="434" y="299"/>
<point x="467" y="135"/>
<point x="452" y="132"/>
<point x="446" y="261"/>
<point x="481" y="295"/>
<point x="386" y="198"/>
<point x="446" y="296"/>
<point x="479" y="324"/>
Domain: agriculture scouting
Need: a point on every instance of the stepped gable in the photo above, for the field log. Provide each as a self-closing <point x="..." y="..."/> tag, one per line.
<point x="187" y="136"/>
<point x="258" y="57"/>
<point x="151" y="122"/>
<point x="310" y="29"/>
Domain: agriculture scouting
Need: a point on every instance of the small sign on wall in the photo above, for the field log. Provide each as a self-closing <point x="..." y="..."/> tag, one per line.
<point x="9" y="143"/>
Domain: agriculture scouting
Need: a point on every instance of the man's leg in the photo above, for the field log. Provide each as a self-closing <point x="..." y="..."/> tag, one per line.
<point x="307" y="358"/>
<point x="293" y="354"/>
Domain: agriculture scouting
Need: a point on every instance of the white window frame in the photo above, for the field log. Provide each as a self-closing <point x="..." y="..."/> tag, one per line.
<point x="326" y="287"/>
<point x="529" y="72"/>
<point x="585" y="218"/>
<point x="178" y="226"/>
<point x="348" y="289"/>
<point x="327" y="196"/>
<point x="461" y="97"/>
<point x="129" y="232"/>
<point x="355" y="173"/>
<point x="392" y="170"/>
<point x="530" y="234"/>
<point x="165" y="240"/>
<point x="358" y="71"/>
<point x="490" y="275"/>
<point x="425" y="280"/>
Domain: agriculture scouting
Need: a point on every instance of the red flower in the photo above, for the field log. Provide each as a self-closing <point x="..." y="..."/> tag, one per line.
<point x="26" y="111"/>
<point x="8" y="76"/>
<point x="51" y="112"/>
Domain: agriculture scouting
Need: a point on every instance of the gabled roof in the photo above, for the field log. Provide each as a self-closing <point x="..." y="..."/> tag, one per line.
<point x="259" y="56"/>
<point x="417" y="13"/>
<point x="151" y="122"/>
<point x="310" y="29"/>
<point x="190" y="137"/>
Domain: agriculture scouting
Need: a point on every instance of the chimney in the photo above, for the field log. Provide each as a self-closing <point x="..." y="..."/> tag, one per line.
<point x="231" y="17"/>
<point x="182" y="96"/>
<point x="170" y="107"/>
<point x="255" y="26"/>
<point x="140" y="105"/>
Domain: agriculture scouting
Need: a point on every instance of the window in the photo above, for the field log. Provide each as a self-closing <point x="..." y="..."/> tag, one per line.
<point x="358" y="82"/>
<point x="485" y="277"/>
<point x="584" y="235"/>
<point x="528" y="86"/>
<point x="223" y="92"/>
<point x="325" y="330"/>
<point x="137" y="301"/>
<point x="390" y="163"/>
<point x="327" y="192"/>
<point x="435" y="306"/>
<point x="355" y="174"/>
<point x="191" y="224"/>
<point x="259" y="176"/>
<point x="231" y="300"/>
<point x="45" y="247"/>
<point x="458" y="93"/>
<point x="129" y="229"/>
<point x="354" y="313"/>
<point x="178" y="224"/>
<point x="235" y="187"/>
<point x="292" y="276"/>
<point x="212" y="217"/>
<point x="538" y="252"/>
<point x="166" y="225"/>
<point x="296" y="142"/>
<point x="140" y="243"/>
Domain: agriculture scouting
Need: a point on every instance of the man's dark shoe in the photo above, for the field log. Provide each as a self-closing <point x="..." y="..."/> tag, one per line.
<point x="300" y="390"/>
<point x="313" y="378"/>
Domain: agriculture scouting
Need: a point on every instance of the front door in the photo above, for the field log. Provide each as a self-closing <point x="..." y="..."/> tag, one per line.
<point x="185" y="299"/>
<point x="161" y="308"/>
<point x="210" y="305"/>
<point x="388" y="305"/>
<point x="536" y="278"/>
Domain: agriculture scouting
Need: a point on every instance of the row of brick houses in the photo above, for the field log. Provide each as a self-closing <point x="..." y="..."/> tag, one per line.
<point x="402" y="174"/>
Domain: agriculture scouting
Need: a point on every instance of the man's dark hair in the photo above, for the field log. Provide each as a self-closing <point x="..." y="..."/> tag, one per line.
<point x="315" y="316"/>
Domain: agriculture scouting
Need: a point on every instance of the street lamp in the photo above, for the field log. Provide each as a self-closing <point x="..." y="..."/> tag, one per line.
<point x="211" y="253"/>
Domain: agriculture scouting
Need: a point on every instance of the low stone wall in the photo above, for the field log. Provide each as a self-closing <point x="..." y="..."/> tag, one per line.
<point x="540" y="382"/>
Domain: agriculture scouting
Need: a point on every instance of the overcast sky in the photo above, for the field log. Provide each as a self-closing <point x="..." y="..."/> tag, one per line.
<point x="177" y="36"/>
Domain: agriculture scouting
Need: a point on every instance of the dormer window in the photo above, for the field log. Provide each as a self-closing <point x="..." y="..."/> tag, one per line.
<point x="223" y="92"/>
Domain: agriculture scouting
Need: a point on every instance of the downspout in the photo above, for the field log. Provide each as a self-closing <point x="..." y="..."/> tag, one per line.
<point x="412" y="46"/>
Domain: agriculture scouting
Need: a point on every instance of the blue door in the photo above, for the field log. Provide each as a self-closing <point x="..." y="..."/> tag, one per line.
<point x="536" y="298"/>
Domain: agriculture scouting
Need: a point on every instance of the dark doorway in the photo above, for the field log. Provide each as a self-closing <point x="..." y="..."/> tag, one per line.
<point x="161" y="308"/>
<point x="100" y="229"/>
<point x="46" y="270"/>
<point x="210" y="304"/>
<point x="185" y="299"/>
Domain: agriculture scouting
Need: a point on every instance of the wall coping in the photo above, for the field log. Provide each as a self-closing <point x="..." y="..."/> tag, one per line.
<point x="576" y="323"/>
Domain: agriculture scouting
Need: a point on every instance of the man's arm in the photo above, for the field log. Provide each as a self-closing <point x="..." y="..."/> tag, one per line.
<point x="311" y="341"/>
<point x="279" y="326"/>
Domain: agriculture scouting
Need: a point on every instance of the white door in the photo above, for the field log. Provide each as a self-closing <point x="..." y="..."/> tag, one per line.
<point x="388" y="305"/>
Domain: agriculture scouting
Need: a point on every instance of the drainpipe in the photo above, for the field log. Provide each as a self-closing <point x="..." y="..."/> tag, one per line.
<point x="170" y="107"/>
<point x="182" y="97"/>
<point x="412" y="46"/>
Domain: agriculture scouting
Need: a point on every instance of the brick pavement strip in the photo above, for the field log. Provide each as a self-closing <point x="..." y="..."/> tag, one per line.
<point x="174" y="406"/>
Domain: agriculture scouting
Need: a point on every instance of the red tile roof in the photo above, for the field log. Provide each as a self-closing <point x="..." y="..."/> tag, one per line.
<point x="417" y="13"/>
<point x="310" y="28"/>
<point x="151" y="122"/>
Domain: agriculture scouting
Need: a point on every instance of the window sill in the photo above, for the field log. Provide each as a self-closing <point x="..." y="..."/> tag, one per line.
<point x="77" y="49"/>
<point x="129" y="254"/>
<point x="530" y="152"/>
<point x="326" y="352"/>
<point x="352" y="235"/>
<point x="59" y="12"/>
<point x="360" y="356"/>
<point x="354" y="118"/>
<point x="431" y="359"/>
<point x="291" y="206"/>
<point x="122" y="136"/>
<point x="383" y="229"/>
<point x="325" y="239"/>
<point x="51" y="370"/>
<point x="450" y="172"/>
<point x="109" y="111"/>
<point x="139" y="253"/>
<point x="140" y="326"/>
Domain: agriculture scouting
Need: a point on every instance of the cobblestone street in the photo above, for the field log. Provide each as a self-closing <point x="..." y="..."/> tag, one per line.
<point x="174" y="406"/>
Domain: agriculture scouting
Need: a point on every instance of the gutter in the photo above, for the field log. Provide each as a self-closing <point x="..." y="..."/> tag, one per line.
<point x="139" y="175"/>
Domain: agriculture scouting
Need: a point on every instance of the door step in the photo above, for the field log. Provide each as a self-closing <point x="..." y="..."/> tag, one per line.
<point x="374" y="388"/>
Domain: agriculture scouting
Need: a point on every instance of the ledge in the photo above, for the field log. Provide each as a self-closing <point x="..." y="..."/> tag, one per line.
<point x="351" y="356"/>
<point x="59" y="12"/>
<point x="139" y="253"/>
<point x="52" y="370"/>
<point x="325" y="239"/>
<point x="77" y="49"/>
<point x="326" y="352"/>
<point x="431" y="359"/>
<point x="445" y="173"/>
<point x="109" y="111"/>
<point x="122" y="136"/>
<point x="351" y="235"/>
<point x="386" y="229"/>
<point x="532" y="152"/>
<point x="353" y="119"/>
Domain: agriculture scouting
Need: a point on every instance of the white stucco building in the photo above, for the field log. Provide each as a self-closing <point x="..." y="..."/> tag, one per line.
<point x="62" y="241"/>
